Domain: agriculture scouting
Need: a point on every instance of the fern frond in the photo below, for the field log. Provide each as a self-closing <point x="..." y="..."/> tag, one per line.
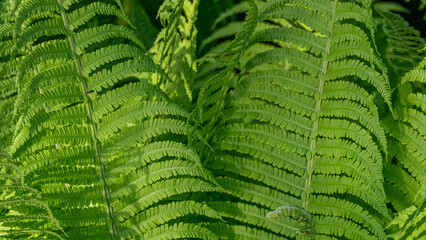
<point x="118" y="130"/>
<point x="213" y="93"/>
<point x="107" y="149"/>
<point x="22" y="214"/>
<point x="400" y="43"/>
<point x="405" y="171"/>
<point x="180" y="231"/>
<point x="164" y="213"/>
<point x="300" y="110"/>
<point x="241" y="232"/>
<point x="246" y="214"/>
<point x="411" y="222"/>
<point x="8" y="92"/>
<point x="144" y="27"/>
<point x="174" y="49"/>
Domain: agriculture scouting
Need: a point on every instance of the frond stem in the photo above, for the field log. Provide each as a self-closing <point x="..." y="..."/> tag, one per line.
<point x="89" y="107"/>
<point x="312" y="146"/>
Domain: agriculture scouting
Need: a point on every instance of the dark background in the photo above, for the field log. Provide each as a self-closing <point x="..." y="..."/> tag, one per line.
<point x="417" y="17"/>
<point x="209" y="8"/>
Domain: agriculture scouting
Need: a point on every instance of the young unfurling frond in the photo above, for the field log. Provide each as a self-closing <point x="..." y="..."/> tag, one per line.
<point x="299" y="214"/>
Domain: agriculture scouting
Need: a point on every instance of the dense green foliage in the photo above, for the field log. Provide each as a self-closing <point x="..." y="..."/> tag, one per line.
<point x="215" y="119"/>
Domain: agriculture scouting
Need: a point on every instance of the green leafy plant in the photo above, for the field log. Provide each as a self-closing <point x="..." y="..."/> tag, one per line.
<point x="212" y="121"/>
<point x="22" y="214"/>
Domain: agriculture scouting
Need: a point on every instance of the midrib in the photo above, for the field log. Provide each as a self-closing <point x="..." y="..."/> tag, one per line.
<point x="89" y="108"/>
<point x="312" y="146"/>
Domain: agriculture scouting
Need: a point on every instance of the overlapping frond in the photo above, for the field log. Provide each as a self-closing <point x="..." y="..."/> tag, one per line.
<point x="212" y="96"/>
<point x="174" y="49"/>
<point x="225" y="28"/>
<point x="410" y="224"/>
<point x="298" y="124"/>
<point x="223" y="34"/>
<point x="399" y="43"/>
<point x="107" y="150"/>
<point x="8" y="62"/>
<point x="22" y="213"/>
<point x="405" y="171"/>
<point x="144" y="28"/>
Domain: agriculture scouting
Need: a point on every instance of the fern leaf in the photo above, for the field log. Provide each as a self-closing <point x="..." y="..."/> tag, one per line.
<point x="8" y="92"/>
<point x="398" y="40"/>
<point x="175" y="48"/>
<point x="107" y="149"/>
<point x="405" y="171"/>
<point x="410" y="223"/>
<point x="144" y="27"/>
<point x="180" y="231"/>
<point x="300" y="110"/>
<point x="23" y="215"/>
<point x="246" y="214"/>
